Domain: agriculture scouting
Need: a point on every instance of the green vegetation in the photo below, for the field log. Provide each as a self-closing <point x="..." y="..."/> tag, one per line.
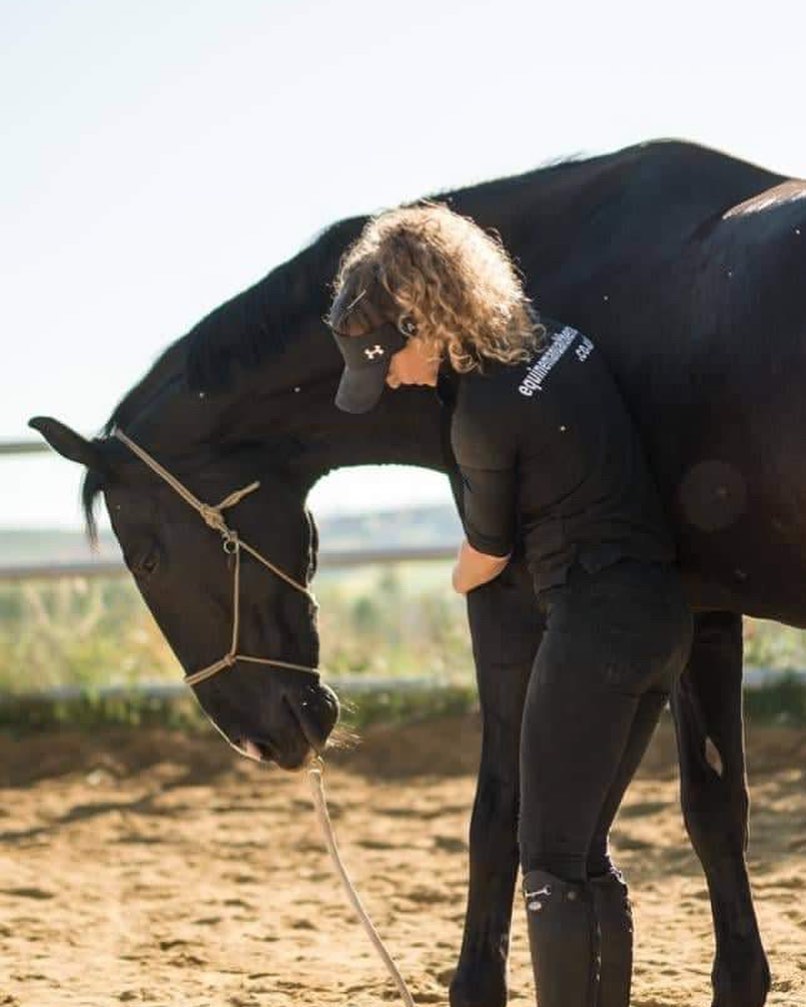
<point x="80" y="635"/>
<point x="400" y="621"/>
<point x="78" y="632"/>
<point x="770" y="645"/>
<point x="25" y="713"/>
<point x="782" y="701"/>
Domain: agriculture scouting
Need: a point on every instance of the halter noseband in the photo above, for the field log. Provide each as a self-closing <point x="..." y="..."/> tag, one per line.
<point x="232" y="544"/>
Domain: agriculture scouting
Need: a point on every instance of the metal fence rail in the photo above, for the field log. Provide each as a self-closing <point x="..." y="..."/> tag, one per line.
<point x="328" y="559"/>
<point x="23" y="447"/>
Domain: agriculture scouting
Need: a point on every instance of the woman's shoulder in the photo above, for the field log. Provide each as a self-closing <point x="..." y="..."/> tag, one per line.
<point x="495" y="381"/>
<point x="489" y="386"/>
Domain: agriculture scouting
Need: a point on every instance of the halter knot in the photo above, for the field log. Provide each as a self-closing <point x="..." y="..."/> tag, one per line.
<point x="213" y="518"/>
<point x="212" y="514"/>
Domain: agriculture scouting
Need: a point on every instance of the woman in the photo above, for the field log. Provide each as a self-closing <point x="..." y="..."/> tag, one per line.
<point x="551" y="463"/>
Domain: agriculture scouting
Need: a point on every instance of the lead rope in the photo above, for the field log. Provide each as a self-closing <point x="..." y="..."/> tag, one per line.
<point x="320" y="805"/>
<point x="213" y="517"/>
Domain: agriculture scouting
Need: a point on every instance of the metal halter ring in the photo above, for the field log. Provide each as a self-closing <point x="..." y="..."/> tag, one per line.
<point x="232" y="546"/>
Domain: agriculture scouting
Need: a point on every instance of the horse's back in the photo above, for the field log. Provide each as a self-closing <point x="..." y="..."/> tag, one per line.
<point x="689" y="276"/>
<point x="737" y="477"/>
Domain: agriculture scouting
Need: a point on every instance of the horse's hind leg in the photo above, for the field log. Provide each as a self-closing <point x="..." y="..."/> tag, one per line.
<point x="707" y="706"/>
<point x="506" y="629"/>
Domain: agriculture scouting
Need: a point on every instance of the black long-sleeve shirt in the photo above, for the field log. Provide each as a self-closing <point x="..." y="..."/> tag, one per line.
<point x="548" y="451"/>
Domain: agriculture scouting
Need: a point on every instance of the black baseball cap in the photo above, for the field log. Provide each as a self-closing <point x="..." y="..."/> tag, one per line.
<point x="369" y="330"/>
<point x="366" y="363"/>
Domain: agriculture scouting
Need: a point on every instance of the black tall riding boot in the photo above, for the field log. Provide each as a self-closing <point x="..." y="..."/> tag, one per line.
<point x="611" y="904"/>
<point x="562" y="939"/>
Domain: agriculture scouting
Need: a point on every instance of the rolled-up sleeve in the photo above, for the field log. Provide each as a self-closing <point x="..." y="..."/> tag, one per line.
<point x="485" y="436"/>
<point x="489" y="509"/>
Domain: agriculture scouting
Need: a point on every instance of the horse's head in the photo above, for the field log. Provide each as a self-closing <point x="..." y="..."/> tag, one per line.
<point x="207" y="578"/>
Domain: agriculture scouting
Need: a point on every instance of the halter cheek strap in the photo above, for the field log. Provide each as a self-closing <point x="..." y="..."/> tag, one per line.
<point x="213" y="517"/>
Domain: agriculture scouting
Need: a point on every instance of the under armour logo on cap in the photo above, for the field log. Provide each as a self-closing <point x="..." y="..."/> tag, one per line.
<point x="367" y="359"/>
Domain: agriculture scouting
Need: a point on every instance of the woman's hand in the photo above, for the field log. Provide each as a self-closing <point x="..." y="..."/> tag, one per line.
<point x="474" y="568"/>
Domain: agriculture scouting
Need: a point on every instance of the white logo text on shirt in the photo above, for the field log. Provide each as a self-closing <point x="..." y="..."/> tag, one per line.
<point x="537" y="373"/>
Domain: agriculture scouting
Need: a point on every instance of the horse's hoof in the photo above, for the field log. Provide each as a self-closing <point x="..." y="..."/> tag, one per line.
<point x="741" y="978"/>
<point x="479" y="985"/>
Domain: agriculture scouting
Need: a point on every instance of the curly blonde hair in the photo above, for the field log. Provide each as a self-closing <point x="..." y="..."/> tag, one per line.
<point x="444" y="280"/>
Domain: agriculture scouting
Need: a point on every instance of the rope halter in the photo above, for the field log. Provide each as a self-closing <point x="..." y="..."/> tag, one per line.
<point x="213" y="517"/>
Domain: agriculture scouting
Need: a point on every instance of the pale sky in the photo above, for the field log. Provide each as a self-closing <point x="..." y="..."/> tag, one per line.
<point x="158" y="157"/>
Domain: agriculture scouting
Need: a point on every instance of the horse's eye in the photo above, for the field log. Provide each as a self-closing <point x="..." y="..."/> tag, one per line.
<point x="150" y="562"/>
<point x="146" y="563"/>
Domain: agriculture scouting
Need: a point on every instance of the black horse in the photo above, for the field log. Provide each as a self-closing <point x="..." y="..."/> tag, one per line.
<point x="686" y="267"/>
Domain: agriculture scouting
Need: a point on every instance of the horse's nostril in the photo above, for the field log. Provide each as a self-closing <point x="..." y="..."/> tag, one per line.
<point x="253" y="750"/>
<point x="267" y="753"/>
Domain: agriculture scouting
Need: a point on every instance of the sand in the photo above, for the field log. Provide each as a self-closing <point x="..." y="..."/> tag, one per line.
<point x="152" y="868"/>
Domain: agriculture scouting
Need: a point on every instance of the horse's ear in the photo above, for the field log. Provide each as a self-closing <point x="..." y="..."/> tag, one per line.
<point x="68" y="443"/>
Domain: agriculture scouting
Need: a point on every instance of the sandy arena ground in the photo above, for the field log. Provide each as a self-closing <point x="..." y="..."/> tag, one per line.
<point x="155" y="869"/>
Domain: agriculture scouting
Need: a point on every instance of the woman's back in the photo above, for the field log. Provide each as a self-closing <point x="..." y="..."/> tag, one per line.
<point x="551" y="441"/>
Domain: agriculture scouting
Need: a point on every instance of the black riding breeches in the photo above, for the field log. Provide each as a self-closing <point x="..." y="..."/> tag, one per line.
<point x="614" y="644"/>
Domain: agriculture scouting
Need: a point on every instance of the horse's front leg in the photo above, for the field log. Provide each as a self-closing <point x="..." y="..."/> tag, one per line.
<point x="707" y="706"/>
<point x="505" y="628"/>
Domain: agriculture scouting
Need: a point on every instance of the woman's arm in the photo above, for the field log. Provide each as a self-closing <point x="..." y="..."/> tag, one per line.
<point x="474" y="568"/>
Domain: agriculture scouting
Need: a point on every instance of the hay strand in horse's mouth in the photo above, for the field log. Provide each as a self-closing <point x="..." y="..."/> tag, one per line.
<point x="320" y="805"/>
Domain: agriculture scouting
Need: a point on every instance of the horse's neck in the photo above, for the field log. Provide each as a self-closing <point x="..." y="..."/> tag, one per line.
<point x="299" y="424"/>
<point x="566" y="226"/>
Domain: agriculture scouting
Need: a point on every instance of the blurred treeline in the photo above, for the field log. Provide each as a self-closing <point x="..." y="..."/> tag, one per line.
<point x="402" y="621"/>
<point x="397" y="621"/>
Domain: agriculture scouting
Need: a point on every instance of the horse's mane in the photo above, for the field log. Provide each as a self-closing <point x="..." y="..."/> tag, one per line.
<point x="241" y="334"/>
<point x="251" y="327"/>
<point x="258" y="323"/>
